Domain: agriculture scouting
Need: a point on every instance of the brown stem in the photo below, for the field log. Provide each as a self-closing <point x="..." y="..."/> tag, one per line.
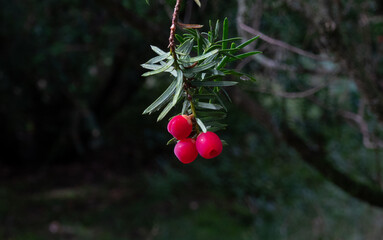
<point x="173" y="27"/>
<point x="172" y="47"/>
<point x="192" y="106"/>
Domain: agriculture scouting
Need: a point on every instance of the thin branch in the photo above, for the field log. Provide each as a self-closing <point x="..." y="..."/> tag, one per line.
<point x="369" y="140"/>
<point x="172" y="47"/>
<point x="294" y="95"/>
<point x="280" y="43"/>
<point x="173" y="28"/>
<point x="242" y="26"/>
<point x="271" y="64"/>
<point x="262" y="59"/>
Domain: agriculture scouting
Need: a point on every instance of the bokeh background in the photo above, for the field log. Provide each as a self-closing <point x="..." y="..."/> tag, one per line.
<point x="79" y="161"/>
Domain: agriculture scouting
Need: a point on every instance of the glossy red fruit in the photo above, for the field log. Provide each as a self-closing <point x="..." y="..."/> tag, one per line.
<point x="208" y="145"/>
<point x="186" y="151"/>
<point x="180" y="126"/>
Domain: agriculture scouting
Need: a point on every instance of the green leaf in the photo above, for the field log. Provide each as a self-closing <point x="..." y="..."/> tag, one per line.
<point x="244" y="55"/>
<point x="201" y="68"/>
<point x="165" y="111"/>
<point x="180" y="38"/>
<point x="225" y="33"/>
<point x="224" y="143"/>
<point x="151" y="66"/>
<point x="215" y="126"/>
<point x="199" y="43"/>
<point x="193" y="33"/>
<point x="160" y="70"/>
<point x="214" y="129"/>
<point x="180" y="78"/>
<point x="202" y="126"/>
<point x="188" y="36"/>
<point x="157" y="66"/>
<point x="185" y="48"/>
<point x="218" y="98"/>
<point x="157" y="50"/>
<point x="185" y="107"/>
<point x="240" y="74"/>
<point x="163" y="99"/>
<point x="205" y="44"/>
<point x="212" y="47"/>
<point x="209" y="60"/>
<point x="201" y="57"/>
<point x="198" y="3"/>
<point x="173" y="141"/>
<point x="211" y="32"/>
<point x="213" y="84"/>
<point x="210" y="106"/>
<point x="216" y="31"/>
<point x="228" y="40"/>
<point x="247" y="42"/>
<point x="172" y="72"/>
<point x="228" y="50"/>
<point x="226" y="94"/>
<point x="223" y="62"/>
<point x="159" y="58"/>
<point x="216" y="114"/>
<point x="224" y="59"/>
<point x="212" y="118"/>
<point x="214" y="75"/>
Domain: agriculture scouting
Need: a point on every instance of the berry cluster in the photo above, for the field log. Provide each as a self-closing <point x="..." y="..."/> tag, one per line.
<point x="207" y="144"/>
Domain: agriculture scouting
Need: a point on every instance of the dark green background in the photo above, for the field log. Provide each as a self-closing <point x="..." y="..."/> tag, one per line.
<point x="79" y="161"/>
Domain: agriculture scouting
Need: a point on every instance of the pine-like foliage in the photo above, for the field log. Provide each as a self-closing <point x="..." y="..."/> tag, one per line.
<point x="198" y="72"/>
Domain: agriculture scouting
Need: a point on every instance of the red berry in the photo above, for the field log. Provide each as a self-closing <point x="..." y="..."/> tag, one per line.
<point x="180" y="126"/>
<point x="208" y="145"/>
<point x="186" y="151"/>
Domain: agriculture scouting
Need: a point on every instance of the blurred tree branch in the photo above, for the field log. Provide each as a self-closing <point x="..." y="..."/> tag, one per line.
<point x="355" y="56"/>
<point x="279" y="43"/>
<point x="294" y="95"/>
<point x="266" y="61"/>
<point x="370" y="141"/>
<point x="314" y="154"/>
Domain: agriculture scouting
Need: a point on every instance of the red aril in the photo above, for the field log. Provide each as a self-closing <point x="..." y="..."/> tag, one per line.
<point x="208" y="145"/>
<point x="186" y="150"/>
<point x="180" y="126"/>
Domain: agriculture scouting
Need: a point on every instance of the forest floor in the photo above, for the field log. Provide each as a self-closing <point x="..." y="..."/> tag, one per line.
<point x="76" y="203"/>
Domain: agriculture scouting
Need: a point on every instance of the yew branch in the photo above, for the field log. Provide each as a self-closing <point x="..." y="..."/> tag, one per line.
<point x="172" y="45"/>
